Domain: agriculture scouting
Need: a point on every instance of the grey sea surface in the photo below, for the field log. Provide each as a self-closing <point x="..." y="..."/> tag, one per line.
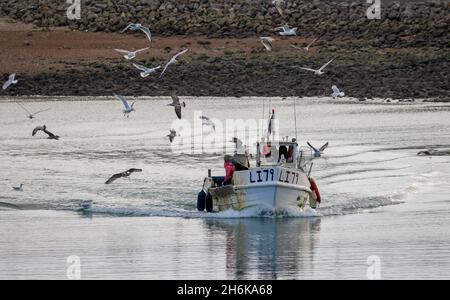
<point x="384" y="207"/>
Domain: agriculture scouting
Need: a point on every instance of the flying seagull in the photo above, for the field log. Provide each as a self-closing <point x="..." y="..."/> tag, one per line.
<point x="121" y="175"/>
<point x="129" y="55"/>
<point x="286" y="30"/>
<point x="336" y="92"/>
<point x="146" y="71"/>
<point x="267" y="42"/>
<point x="173" y="61"/>
<point x="176" y="103"/>
<point x="127" y="108"/>
<point x="172" y="135"/>
<point x="18" y="188"/>
<point x="207" y="122"/>
<point x="279" y="6"/>
<point x="31" y="115"/>
<point x="320" y="71"/>
<point x="11" y="80"/>
<point x="136" y="26"/>
<point x="307" y="47"/>
<point x="318" y="152"/>
<point x="51" y="136"/>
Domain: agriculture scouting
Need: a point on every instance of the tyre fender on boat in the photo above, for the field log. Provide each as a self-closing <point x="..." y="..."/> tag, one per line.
<point x="209" y="203"/>
<point x="201" y="201"/>
<point x="315" y="190"/>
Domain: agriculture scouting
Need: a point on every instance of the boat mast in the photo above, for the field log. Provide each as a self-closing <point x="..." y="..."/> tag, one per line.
<point x="295" y="119"/>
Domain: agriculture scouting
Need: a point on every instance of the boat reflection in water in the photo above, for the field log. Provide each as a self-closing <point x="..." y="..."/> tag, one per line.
<point x="268" y="248"/>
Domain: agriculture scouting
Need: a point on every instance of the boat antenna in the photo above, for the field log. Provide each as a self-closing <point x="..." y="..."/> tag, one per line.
<point x="263" y="117"/>
<point x="310" y="169"/>
<point x="295" y="119"/>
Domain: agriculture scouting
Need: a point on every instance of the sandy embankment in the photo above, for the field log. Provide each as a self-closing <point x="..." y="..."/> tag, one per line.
<point x="59" y="61"/>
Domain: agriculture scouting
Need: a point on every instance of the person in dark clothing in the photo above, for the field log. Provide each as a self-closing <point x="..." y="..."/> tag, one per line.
<point x="283" y="153"/>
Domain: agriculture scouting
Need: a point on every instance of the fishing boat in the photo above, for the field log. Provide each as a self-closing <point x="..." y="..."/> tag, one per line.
<point x="279" y="181"/>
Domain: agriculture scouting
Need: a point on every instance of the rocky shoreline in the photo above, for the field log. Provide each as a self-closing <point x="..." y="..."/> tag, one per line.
<point x="389" y="76"/>
<point x="402" y="23"/>
<point x="403" y="55"/>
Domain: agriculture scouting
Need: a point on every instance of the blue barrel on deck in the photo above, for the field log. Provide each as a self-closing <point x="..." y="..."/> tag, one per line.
<point x="201" y="201"/>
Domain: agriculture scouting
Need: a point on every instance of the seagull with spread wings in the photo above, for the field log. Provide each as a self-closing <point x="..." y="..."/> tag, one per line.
<point x="31" y="115"/>
<point x="128" y="109"/>
<point x="172" y="135"/>
<point x="286" y="30"/>
<point x="122" y="175"/>
<point x="177" y="104"/>
<point x="307" y="46"/>
<point x="137" y="26"/>
<point x="173" y="61"/>
<point x="51" y="136"/>
<point x="318" y="152"/>
<point x="319" y="71"/>
<point x="336" y="92"/>
<point x="129" y="55"/>
<point x="208" y="122"/>
<point x="146" y="71"/>
<point x="11" y="80"/>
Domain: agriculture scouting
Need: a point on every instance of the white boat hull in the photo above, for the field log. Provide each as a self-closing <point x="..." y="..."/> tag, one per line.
<point x="271" y="188"/>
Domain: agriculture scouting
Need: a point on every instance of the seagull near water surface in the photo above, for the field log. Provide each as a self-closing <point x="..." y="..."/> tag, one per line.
<point x="31" y="115"/>
<point x="172" y="135"/>
<point x="18" y="188"/>
<point x="51" y="136"/>
<point x="128" y="109"/>
<point x="177" y="104"/>
<point x="336" y="92"/>
<point x="122" y="175"/>
<point x="207" y="122"/>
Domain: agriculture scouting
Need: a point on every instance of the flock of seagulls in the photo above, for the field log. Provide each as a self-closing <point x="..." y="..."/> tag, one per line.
<point x="287" y="31"/>
<point x="267" y="42"/>
<point x="146" y="72"/>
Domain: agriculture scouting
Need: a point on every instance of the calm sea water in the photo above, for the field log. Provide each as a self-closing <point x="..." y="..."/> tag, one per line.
<point x="382" y="202"/>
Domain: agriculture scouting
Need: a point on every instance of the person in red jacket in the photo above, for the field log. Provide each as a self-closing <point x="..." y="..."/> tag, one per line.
<point x="229" y="170"/>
